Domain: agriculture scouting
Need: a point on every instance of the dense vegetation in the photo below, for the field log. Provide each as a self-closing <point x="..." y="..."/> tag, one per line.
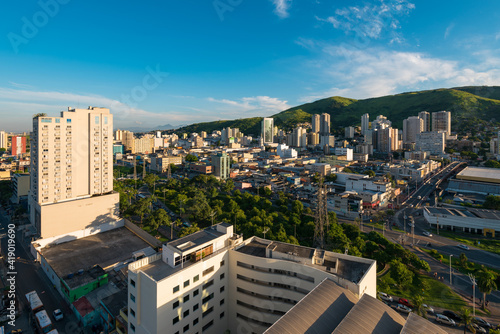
<point x="465" y="103"/>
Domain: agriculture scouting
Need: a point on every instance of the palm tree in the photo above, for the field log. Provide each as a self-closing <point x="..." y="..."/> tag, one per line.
<point x="486" y="282"/>
<point x="467" y="319"/>
<point x="418" y="306"/>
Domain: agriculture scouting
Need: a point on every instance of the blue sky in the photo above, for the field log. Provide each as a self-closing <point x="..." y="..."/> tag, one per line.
<point x="185" y="61"/>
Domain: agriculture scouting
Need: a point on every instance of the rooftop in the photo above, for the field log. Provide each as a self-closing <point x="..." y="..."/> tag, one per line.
<point x="196" y="239"/>
<point x="115" y="302"/>
<point x="483" y="174"/>
<point x="465" y="212"/>
<point x="103" y="249"/>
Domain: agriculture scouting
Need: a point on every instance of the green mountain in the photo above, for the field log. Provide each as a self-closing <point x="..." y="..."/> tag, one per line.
<point x="465" y="103"/>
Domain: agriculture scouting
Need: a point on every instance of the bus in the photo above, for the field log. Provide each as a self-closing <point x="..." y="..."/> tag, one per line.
<point x="34" y="301"/>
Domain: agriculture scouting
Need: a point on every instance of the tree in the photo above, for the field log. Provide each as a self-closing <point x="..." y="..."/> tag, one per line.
<point x="191" y="158"/>
<point x="463" y="260"/>
<point x="486" y="282"/>
<point x="401" y="274"/>
<point x="492" y="202"/>
<point x="467" y="319"/>
<point x="370" y="173"/>
<point x="418" y="306"/>
<point x="331" y="178"/>
<point x="297" y="207"/>
<point x="347" y="170"/>
<point x="150" y="179"/>
<point x="188" y="230"/>
<point x="228" y="186"/>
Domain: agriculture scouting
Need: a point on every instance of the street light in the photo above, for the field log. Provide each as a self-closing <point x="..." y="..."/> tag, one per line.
<point x="473" y="281"/>
<point x="266" y="229"/>
<point x="450" y="269"/>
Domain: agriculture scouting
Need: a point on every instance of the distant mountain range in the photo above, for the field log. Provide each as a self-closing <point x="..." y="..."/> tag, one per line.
<point x="465" y="103"/>
<point x="160" y="128"/>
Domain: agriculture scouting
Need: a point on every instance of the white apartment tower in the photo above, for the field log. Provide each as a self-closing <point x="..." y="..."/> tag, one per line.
<point x="324" y="128"/>
<point x="3" y="140"/>
<point x="316" y="119"/>
<point x="268" y="130"/>
<point x="411" y="127"/>
<point x="426" y="116"/>
<point x="71" y="159"/>
<point x="441" y="121"/>
<point x="214" y="282"/>
<point x="365" y="123"/>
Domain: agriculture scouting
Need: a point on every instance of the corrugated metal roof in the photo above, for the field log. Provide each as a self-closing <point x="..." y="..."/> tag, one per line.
<point x="415" y="324"/>
<point x="370" y="315"/>
<point x="317" y="313"/>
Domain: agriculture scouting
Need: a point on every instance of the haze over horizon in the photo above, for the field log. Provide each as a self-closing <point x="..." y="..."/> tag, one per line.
<point x="179" y="62"/>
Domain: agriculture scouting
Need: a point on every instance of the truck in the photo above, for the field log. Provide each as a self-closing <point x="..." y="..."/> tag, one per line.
<point x="43" y="322"/>
<point x="34" y="301"/>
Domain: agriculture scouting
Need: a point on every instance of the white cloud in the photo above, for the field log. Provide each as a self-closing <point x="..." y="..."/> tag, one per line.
<point x="281" y="7"/>
<point x="374" y="72"/>
<point x="251" y="106"/>
<point x="448" y="30"/>
<point x="371" y="21"/>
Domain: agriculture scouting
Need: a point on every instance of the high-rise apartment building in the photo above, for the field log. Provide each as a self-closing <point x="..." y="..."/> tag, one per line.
<point x="299" y="137"/>
<point x="387" y="140"/>
<point x="324" y="128"/>
<point x="18" y="145"/>
<point x="71" y="163"/>
<point x="433" y="142"/>
<point x="222" y="164"/>
<point x="381" y="122"/>
<point x="349" y="132"/>
<point x="213" y="282"/>
<point x="441" y="121"/>
<point x="268" y="130"/>
<point x="426" y="116"/>
<point x="313" y="138"/>
<point x="411" y="127"/>
<point x="3" y="140"/>
<point x="316" y="119"/>
<point x="365" y="123"/>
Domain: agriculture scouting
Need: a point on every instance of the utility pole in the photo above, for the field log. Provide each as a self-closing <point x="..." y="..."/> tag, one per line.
<point x="212" y="214"/>
<point x="473" y="281"/>
<point x="412" y="231"/>
<point x="450" y="269"/>
<point x="321" y="215"/>
<point x="266" y="229"/>
<point x="437" y="220"/>
<point x="135" y="173"/>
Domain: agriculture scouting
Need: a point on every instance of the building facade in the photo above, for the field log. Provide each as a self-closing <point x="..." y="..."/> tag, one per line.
<point x="411" y="127"/>
<point x="432" y="142"/>
<point x="3" y="140"/>
<point x="268" y="130"/>
<point x="221" y="163"/>
<point x="441" y="121"/>
<point x="426" y="117"/>
<point x="365" y="123"/>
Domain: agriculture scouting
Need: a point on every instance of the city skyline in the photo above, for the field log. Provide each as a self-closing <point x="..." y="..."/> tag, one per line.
<point x="168" y="64"/>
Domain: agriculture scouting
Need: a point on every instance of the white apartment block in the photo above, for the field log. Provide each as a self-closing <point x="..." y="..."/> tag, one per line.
<point x="426" y="117"/>
<point x="316" y="118"/>
<point x="3" y="140"/>
<point x="441" y="121"/>
<point x="411" y="127"/>
<point x="347" y="152"/>
<point x="72" y="159"/>
<point x="364" y="184"/>
<point x="432" y="142"/>
<point x="213" y="282"/>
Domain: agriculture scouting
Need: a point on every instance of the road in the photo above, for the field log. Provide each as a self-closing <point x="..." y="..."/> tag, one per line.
<point x="31" y="277"/>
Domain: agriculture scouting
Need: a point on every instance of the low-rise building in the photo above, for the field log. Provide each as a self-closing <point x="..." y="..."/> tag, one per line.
<point x="347" y="204"/>
<point x="21" y="187"/>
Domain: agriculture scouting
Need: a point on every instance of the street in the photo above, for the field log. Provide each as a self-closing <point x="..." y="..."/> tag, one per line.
<point x="31" y="277"/>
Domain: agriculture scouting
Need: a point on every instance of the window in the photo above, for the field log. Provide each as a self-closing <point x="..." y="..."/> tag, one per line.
<point x="46" y="120"/>
<point x="132" y="327"/>
<point x="185" y="329"/>
<point x="222" y="302"/>
<point x="208" y="271"/>
<point x="221" y="263"/>
<point x="222" y="276"/>
<point x="186" y="313"/>
<point x="176" y="289"/>
<point x="221" y="315"/>
<point x="175" y="320"/>
<point x="207" y="298"/>
<point x="207" y="326"/>
<point x="186" y="284"/>
<point x="175" y="305"/>
<point x="221" y="289"/>
<point x="132" y="282"/>
<point x="195" y="322"/>
<point x="97" y="120"/>
<point x="196" y="278"/>
<point x="105" y="120"/>
<point x="132" y="298"/>
<point x="209" y="283"/>
<point x="132" y="312"/>
<point x="68" y="120"/>
<point x="186" y="298"/>
<point x="58" y="120"/>
<point x="208" y="311"/>
<point x="196" y="292"/>
<point x="195" y="307"/>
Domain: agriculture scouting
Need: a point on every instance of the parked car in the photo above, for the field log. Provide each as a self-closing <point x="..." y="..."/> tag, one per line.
<point x="463" y="246"/>
<point x="428" y="309"/>
<point x="452" y="315"/>
<point x="442" y="319"/>
<point x="427" y="234"/>
<point x="478" y="328"/>
<point x="58" y="315"/>
<point x="405" y="302"/>
<point x="403" y="308"/>
<point x="384" y="296"/>
<point x="481" y="322"/>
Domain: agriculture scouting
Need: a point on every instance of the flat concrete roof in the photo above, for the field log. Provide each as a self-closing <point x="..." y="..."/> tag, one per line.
<point x="102" y="249"/>
<point x="196" y="239"/>
<point x="466" y="212"/>
<point x="482" y="174"/>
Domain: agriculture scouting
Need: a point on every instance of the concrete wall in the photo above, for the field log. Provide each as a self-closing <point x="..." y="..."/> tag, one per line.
<point x="152" y="241"/>
<point x="89" y="213"/>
